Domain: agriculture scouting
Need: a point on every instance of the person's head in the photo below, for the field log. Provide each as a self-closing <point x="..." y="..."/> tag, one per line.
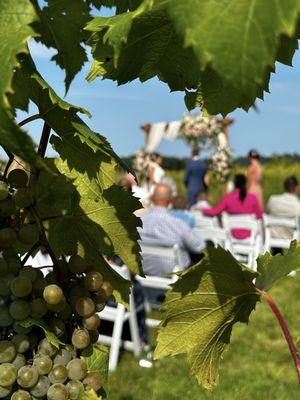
<point x="157" y="158"/>
<point x="291" y="184"/>
<point x="240" y="183"/>
<point x="195" y="152"/>
<point x="162" y="195"/>
<point x="253" y="155"/>
<point x="179" y="203"/>
<point x="201" y="196"/>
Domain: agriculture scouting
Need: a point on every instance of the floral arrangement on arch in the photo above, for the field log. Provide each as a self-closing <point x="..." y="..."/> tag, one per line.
<point x="141" y="164"/>
<point x="221" y="163"/>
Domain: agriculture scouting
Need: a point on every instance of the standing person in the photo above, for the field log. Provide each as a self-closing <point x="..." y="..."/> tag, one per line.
<point x="254" y="175"/>
<point x="194" y="179"/>
<point x="157" y="173"/>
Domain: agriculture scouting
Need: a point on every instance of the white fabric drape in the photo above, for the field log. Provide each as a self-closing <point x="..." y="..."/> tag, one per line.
<point x="172" y="130"/>
<point x="156" y="135"/>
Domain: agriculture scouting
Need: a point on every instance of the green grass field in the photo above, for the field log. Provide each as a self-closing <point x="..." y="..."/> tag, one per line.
<point x="256" y="366"/>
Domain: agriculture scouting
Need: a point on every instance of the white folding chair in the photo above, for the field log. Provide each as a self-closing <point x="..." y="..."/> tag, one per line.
<point x="40" y="260"/>
<point x="119" y="315"/>
<point x="218" y="236"/>
<point x="203" y="221"/>
<point x="272" y="223"/>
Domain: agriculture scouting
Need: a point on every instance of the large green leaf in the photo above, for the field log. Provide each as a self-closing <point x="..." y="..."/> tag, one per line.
<point x="96" y="358"/>
<point x="273" y="268"/>
<point x="201" y="309"/>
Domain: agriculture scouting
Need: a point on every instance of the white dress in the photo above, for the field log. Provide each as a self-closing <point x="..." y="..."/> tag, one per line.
<point x="158" y="172"/>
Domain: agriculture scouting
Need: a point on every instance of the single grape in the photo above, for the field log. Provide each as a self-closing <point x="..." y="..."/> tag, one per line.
<point x="42" y="363"/>
<point x="51" y="278"/>
<point x="77" y="369"/>
<point x="21" y="342"/>
<point x="53" y="294"/>
<point x="28" y="234"/>
<point x="7" y="237"/>
<point x="91" y="323"/>
<point x="46" y="348"/>
<point x="57" y="391"/>
<point x="30" y="272"/>
<point x="74" y="387"/>
<point x="77" y="264"/>
<point x="21" y="286"/>
<point x="94" y="336"/>
<point x="4" y="192"/>
<point x="57" y="326"/>
<point x="58" y="374"/>
<point x="21" y="329"/>
<point x="7" y="351"/>
<point x="5" y="282"/>
<point x="80" y="338"/>
<point x="5" y="392"/>
<point x="27" y="376"/>
<point x="17" y="178"/>
<point x="23" y="197"/>
<point x="56" y="308"/>
<point x="21" y="395"/>
<point x="19" y="361"/>
<point x="7" y="208"/>
<point x="38" y="308"/>
<point x="93" y="281"/>
<point x="41" y="387"/>
<point x="62" y="357"/>
<point x="85" y="307"/>
<point x="19" y="309"/>
<point x="99" y="303"/>
<point x="8" y="374"/>
<point x="106" y="290"/>
<point x="65" y="313"/>
<point x="14" y="265"/>
<point x="92" y="381"/>
<point x="39" y="285"/>
<point x="3" y="266"/>
<point x="5" y="318"/>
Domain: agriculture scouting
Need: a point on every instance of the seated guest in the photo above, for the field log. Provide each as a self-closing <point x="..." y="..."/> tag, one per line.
<point x="179" y="206"/>
<point x="286" y="204"/>
<point x="161" y="228"/>
<point x="202" y="201"/>
<point x="237" y="202"/>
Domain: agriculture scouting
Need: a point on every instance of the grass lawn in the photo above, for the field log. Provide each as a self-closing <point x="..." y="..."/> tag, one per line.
<point x="256" y="366"/>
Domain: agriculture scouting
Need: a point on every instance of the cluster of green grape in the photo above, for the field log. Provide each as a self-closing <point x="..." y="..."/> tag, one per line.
<point x="55" y="374"/>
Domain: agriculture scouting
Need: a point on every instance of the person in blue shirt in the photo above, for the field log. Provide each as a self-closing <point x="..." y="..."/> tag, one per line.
<point x="179" y="206"/>
<point x="194" y="179"/>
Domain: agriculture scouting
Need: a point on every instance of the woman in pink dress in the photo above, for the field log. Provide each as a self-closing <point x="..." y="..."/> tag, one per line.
<point x="254" y="175"/>
<point x="237" y="202"/>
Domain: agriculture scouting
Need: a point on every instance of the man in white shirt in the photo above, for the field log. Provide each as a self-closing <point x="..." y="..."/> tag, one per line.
<point x="286" y="204"/>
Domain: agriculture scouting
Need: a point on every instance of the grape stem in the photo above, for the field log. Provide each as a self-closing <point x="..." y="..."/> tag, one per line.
<point x="285" y="330"/>
<point x="29" y="119"/>
<point x="10" y="160"/>
<point x="30" y="251"/>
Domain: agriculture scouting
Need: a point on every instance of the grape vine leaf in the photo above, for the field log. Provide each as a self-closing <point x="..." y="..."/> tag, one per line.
<point x="50" y="336"/>
<point x="273" y="268"/>
<point x="61" y="27"/>
<point x="200" y="310"/>
<point x="96" y="358"/>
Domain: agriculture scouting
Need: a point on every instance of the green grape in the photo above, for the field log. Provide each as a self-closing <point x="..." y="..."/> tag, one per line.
<point x="41" y="388"/>
<point x="21" y="329"/>
<point x="99" y="303"/>
<point x="56" y="308"/>
<point x="80" y="338"/>
<point x="46" y="348"/>
<point x="39" y="286"/>
<point x="30" y="273"/>
<point x="91" y="323"/>
<point x="27" y="376"/>
<point x="62" y="357"/>
<point x="77" y="369"/>
<point x="7" y="351"/>
<point x="21" y="286"/>
<point x="4" y="191"/>
<point x="3" y="266"/>
<point x="53" y="294"/>
<point x="28" y="234"/>
<point x="93" y="281"/>
<point x="21" y="342"/>
<point x="38" y="308"/>
<point x="19" y="361"/>
<point x="85" y="307"/>
<point x="94" y="336"/>
<point x="5" y="282"/>
<point x="23" y="197"/>
<point x="19" y="309"/>
<point x="57" y="326"/>
<point x="106" y="290"/>
<point x="5" y="392"/>
<point x="51" y="278"/>
<point x="58" y="391"/>
<point x="7" y="237"/>
<point x="74" y="387"/>
<point x="77" y="264"/>
<point x="42" y="363"/>
<point x="3" y="301"/>
<point x="92" y="381"/>
<point x="58" y="374"/>
<point x="5" y="318"/>
<point x="7" y="208"/>
<point x="65" y="313"/>
<point x="8" y="374"/>
<point x="21" y="395"/>
<point x="17" y="178"/>
<point x="14" y="265"/>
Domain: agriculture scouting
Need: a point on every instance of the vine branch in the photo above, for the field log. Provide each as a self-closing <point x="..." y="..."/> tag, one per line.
<point x="29" y="253"/>
<point x="10" y="160"/>
<point x="44" y="140"/>
<point x="285" y="330"/>
<point x="29" y="119"/>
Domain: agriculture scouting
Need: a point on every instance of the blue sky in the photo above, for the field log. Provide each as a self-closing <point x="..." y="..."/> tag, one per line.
<point x="117" y="112"/>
